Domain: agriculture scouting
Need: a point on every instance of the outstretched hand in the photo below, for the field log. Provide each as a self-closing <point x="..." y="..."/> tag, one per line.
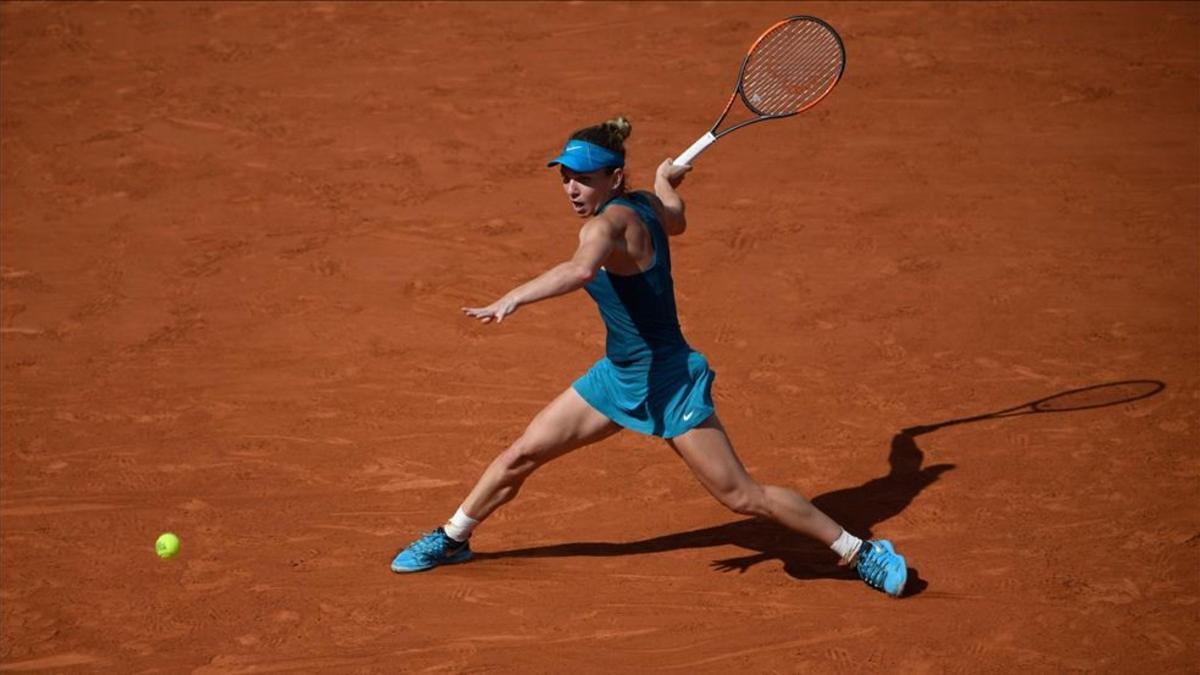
<point x="493" y="312"/>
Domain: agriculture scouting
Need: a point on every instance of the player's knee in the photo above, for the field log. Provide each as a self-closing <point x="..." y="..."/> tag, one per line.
<point x="523" y="456"/>
<point x="746" y="500"/>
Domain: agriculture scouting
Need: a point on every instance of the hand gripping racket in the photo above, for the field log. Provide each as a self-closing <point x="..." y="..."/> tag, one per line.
<point x="788" y="70"/>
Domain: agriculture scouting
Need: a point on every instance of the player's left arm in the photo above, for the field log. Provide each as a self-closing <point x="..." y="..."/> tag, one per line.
<point x="597" y="238"/>
<point x="666" y="179"/>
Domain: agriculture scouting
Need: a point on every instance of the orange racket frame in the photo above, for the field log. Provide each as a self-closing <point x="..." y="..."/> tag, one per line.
<point x="739" y="91"/>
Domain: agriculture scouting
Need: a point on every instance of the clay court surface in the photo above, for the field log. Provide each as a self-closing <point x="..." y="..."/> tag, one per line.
<point x="236" y="238"/>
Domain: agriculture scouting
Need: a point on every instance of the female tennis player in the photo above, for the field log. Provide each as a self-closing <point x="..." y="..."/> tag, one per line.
<point x="650" y="380"/>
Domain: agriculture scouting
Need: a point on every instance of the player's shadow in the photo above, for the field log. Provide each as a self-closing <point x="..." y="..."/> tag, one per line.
<point x="858" y="509"/>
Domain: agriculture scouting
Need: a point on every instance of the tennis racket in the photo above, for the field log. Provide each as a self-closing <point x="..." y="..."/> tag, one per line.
<point x="788" y="70"/>
<point x="1085" y="398"/>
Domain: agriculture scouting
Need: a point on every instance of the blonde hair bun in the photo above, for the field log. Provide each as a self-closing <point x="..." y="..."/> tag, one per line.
<point x="620" y="126"/>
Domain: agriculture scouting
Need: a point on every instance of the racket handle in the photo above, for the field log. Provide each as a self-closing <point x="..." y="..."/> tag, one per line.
<point x="697" y="148"/>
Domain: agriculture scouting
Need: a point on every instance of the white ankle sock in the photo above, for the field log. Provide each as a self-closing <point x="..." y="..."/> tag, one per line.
<point x="847" y="546"/>
<point x="460" y="525"/>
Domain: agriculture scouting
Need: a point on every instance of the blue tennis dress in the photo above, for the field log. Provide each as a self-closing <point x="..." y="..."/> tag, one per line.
<point x="650" y="380"/>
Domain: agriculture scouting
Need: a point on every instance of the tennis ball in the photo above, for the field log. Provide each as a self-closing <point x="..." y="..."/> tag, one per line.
<point x="167" y="545"/>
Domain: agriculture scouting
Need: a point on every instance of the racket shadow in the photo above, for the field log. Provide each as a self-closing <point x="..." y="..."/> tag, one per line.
<point x="859" y="509"/>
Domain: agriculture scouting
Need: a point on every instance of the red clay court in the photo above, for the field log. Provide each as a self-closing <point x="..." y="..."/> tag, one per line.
<point x="235" y="241"/>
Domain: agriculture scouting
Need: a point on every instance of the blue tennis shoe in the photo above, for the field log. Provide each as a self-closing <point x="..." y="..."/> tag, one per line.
<point x="881" y="567"/>
<point x="431" y="550"/>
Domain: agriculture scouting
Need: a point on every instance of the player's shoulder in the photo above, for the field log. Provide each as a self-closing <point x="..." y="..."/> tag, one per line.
<point x="628" y="204"/>
<point x="648" y="197"/>
<point x="606" y="223"/>
<point x="655" y="205"/>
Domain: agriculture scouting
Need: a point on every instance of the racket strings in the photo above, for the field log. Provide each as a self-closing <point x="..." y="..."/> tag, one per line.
<point x="792" y="68"/>
<point x="803" y="52"/>
<point x="787" y="91"/>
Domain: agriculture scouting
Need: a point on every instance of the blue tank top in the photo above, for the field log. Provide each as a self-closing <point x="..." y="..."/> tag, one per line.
<point x="639" y="309"/>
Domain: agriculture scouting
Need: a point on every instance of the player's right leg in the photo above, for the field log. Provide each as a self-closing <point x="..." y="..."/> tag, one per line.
<point x="709" y="453"/>
<point x="566" y="424"/>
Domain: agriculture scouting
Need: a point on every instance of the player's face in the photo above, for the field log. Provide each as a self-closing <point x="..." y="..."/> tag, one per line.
<point x="589" y="191"/>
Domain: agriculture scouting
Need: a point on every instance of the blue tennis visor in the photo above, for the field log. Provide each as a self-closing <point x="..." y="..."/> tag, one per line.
<point x="586" y="157"/>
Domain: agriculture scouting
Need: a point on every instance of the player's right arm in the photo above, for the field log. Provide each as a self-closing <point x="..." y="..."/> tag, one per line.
<point x="666" y="179"/>
<point x="598" y="237"/>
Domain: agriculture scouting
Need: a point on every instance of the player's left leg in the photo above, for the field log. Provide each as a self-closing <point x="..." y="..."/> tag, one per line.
<point x="708" y="452"/>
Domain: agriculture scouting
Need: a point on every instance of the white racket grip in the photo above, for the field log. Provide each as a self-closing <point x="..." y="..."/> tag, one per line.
<point x="697" y="148"/>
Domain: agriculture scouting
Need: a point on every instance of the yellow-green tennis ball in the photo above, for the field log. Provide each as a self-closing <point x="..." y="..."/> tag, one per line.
<point x="167" y="545"/>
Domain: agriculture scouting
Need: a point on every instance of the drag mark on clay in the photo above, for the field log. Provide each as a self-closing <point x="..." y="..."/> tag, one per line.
<point x="36" y="510"/>
<point x="605" y="635"/>
<point x="52" y="662"/>
<point x="374" y="532"/>
<point x="301" y="439"/>
<point x="688" y="607"/>
<point x="206" y="126"/>
<point x="442" y="397"/>
<point x="18" y="330"/>
<point x="227" y="665"/>
<point x="414" y="483"/>
<point x="540" y="639"/>
<point x="768" y="647"/>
